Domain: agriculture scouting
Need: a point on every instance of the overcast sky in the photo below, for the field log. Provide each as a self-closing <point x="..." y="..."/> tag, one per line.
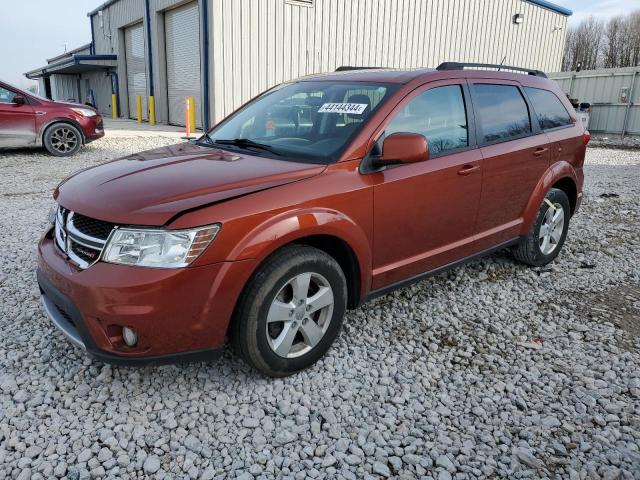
<point x="33" y="30"/>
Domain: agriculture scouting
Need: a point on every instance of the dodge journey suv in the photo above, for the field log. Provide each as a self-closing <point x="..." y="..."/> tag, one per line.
<point x="310" y="199"/>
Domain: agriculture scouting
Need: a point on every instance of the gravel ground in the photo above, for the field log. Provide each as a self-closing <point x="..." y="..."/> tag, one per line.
<point x="438" y="380"/>
<point x="615" y="141"/>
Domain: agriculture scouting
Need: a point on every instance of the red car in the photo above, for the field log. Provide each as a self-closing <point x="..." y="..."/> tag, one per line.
<point x="315" y="196"/>
<point x="27" y="120"/>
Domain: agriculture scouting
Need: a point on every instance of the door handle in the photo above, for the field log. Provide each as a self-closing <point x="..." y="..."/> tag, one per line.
<point x="540" y="151"/>
<point x="468" y="169"/>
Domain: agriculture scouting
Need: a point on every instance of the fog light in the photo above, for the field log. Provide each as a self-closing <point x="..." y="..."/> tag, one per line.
<point x="129" y="336"/>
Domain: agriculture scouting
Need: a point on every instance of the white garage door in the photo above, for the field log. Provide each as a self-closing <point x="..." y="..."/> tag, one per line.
<point x="182" y="30"/>
<point x="136" y="68"/>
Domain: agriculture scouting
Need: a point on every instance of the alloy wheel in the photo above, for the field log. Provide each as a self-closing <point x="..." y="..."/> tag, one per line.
<point x="63" y="140"/>
<point x="299" y="315"/>
<point x="551" y="229"/>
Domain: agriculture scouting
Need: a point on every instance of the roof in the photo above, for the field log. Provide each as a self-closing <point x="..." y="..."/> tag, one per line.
<point x="551" y="6"/>
<point x="541" y="3"/>
<point x="384" y="75"/>
<point x="404" y="76"/>
<point x="101" y="7"/>
<point x="75" y="63"/>
<point x="69" y="53"/>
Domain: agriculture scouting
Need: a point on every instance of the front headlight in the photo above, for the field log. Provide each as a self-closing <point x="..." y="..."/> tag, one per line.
<point x="158" y="248"/>
<point x="85" y="112"/>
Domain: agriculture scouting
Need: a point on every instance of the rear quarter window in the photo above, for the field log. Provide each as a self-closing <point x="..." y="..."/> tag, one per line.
<point x="549" y="109"/>
<point x="502" y="111"/>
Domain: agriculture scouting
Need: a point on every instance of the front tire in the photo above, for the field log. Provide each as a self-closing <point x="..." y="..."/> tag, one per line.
<point x="62" y="139"/>
<point x="290" y="311"/>
<point x="549" y="231"/>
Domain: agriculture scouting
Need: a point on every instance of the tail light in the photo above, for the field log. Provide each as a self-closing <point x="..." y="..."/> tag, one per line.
<point x="586" y="136"/>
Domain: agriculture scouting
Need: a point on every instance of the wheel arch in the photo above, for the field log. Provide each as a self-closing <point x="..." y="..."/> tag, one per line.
<point x="561" y="175"/>
<point x="52" y="122"/>
<point x="568" y="186"/>
<point x="342" y="253"/>
<point x="328" y="230"/>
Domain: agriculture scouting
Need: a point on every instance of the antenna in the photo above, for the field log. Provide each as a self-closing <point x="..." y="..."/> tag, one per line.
<point x="502" y="62"/>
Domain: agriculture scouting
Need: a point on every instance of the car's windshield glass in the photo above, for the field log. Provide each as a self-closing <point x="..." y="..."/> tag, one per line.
<point x="303" y="121"/>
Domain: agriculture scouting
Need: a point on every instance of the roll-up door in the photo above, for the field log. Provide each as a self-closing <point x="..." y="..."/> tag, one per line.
<point x="182" y="35"/>
<point x="136" y="68"/>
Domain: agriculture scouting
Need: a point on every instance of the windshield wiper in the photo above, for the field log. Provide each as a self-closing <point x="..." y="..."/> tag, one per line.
<point x="247" y="143"/>
<point x="205" y="140"/>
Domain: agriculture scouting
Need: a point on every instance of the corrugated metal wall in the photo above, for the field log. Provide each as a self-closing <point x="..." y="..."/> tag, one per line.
<point x="257" y="44"/>
<point x="64" y="88"/>
<point x="602" y="89"/>
<point x="100" y="83"/>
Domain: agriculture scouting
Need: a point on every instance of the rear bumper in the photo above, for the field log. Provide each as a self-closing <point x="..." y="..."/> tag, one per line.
<point x="178" y="314"/>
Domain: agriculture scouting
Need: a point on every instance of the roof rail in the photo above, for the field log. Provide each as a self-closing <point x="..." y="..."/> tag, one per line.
<point x="461" y="66"/>
<point x="346" y="68"/>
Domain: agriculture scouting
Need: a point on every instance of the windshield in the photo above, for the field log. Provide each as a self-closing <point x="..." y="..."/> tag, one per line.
<point x="304" y="121"/>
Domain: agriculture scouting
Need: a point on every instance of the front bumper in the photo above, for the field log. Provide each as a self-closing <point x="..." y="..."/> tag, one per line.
<point x="92" y="128"/>
<point x="178" y="314"/>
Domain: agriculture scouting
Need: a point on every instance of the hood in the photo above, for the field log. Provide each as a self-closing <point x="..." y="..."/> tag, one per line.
<point x="149" y="188"/>
<point x="61" y="103"/>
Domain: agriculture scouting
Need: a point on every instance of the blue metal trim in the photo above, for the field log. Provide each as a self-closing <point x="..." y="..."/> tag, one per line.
<point x="204" y="27"/>
<point x="149" y="47"/>
<point x="115" y="88"/>
<point x="79" y="58"/>
<point x="552" y="6"/>
<point x="92" y="48"/>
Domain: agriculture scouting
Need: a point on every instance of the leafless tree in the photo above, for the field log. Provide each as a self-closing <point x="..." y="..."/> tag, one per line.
<point x="592" y="44"/>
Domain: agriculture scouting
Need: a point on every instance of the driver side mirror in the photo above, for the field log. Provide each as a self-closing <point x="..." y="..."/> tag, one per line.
<point x="19" y="100"/>
<point x="401" y="148"/>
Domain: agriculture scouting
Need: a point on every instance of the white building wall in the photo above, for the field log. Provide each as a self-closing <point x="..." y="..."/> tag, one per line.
<point x="257" y="44"/>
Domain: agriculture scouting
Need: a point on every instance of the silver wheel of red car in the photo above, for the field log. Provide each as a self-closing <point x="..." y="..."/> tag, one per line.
<point x="62" y="139"/>
<point x="299" y="315"/>
<point x="551" y="229"/>
<point x="290" y="311"/>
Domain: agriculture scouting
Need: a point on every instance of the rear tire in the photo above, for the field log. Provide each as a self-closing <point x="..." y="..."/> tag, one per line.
<point x="290" y="311"/>
<point x="62" y="139"/>
<point x="543" y="244"/>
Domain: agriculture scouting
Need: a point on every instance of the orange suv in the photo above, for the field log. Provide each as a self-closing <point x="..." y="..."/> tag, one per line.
<point x="310" y="199"/>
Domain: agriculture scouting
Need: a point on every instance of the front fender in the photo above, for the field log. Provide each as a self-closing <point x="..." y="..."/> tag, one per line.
<point x="556" y="172"/>
<point x="291" y="226"/>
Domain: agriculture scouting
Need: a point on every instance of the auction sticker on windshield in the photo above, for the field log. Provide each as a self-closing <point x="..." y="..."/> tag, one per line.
<point x="354" y="108"/>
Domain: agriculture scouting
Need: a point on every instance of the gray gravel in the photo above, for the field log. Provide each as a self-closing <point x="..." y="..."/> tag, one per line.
<point x="433" y="381"/>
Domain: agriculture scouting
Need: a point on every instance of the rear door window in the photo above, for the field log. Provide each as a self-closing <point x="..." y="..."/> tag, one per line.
<point x="502" y="111"/>
<point x="549" y="109"/>
<point x="438" y="114"/>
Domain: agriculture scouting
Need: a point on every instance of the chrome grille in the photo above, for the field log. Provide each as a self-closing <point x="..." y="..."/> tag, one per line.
<point x="81" y="238"/>
<point x="92" y="227"/>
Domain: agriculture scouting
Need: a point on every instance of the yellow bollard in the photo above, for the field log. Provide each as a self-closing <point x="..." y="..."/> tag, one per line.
<point x="152" y="111"/>
<point x="114" y="106"/>
<point x="192" y="113"/>
<point x="139" y="108"/>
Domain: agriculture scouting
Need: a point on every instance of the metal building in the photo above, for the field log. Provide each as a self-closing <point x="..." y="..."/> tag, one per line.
<point x="223" y="52"/>
<point x="614" y="95"/>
